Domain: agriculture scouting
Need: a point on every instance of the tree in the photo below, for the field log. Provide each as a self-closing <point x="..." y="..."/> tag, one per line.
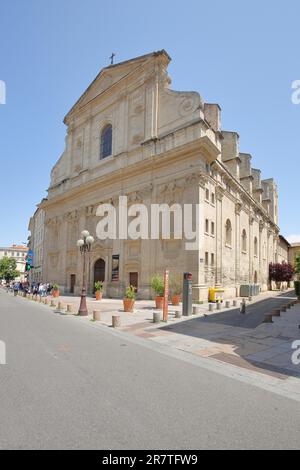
<point x="8" y="269"/>
<point x="281" y="272"/>
<point x="297" y="264"/>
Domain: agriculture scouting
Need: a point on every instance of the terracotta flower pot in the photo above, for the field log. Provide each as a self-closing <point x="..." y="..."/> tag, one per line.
<point x="159" y="302"/>
<point x="128" y="305"/>
<point x="98" y="294"/>
<point x="175" y="299"/>
<point x="55" y="293"/>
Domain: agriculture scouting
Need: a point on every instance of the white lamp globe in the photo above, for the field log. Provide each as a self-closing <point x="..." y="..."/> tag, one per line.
<point x="80" y="243"/>
<point x="85" y="233"/>
<point x="90" y="239"/>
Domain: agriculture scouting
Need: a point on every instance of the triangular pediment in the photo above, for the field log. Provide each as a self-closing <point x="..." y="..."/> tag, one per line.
<point x="109" y="76"/>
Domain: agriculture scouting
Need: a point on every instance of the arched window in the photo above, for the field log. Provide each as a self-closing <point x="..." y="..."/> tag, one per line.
<point x="244" y="241"/>
<point x="255" y="246"/>
<point x="228" y="233"/>
<point x="106" y="142"/>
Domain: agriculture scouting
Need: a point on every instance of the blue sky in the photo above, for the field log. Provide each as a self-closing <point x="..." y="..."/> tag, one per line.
<point x="242" y="55"/>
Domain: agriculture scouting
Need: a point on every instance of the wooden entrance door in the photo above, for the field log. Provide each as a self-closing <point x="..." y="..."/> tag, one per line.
<point x="99" y="270"/>
<point x="72" y="283"/>
<point x="134" y="280"/>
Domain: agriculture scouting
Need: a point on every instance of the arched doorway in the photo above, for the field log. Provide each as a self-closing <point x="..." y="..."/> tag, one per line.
<point x="99" y="270"/>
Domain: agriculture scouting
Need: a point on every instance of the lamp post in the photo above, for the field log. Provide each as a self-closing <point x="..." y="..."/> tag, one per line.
<point x="84" y="244"/>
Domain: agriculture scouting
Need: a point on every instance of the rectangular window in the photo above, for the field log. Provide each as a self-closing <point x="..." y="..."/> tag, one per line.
<point x="207" y="194"/>
<point x="212" y="228"/>
<point x="206" y="258"/>
<point x="212" y="259"/>
<point x="206" y="226"/>
<point x="212" y="198"/>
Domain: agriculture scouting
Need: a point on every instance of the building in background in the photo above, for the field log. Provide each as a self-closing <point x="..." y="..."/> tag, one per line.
<point x="130" y="134"/>
<point x="18" y="252"/>
<point x="36" y="244"/>
<point x="283" y="248"/>
<point x="293" y="251"/>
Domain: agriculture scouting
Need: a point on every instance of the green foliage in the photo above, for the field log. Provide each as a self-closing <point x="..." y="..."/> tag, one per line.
<point x="130" y="293"/>
<point x="55" y="287"/>
<point x="157" y="284"/>
<point x="8" y="269"/>
<point x="297" y="263"/>
<point x="297" y="288"/>
<point x="98" y="286"/>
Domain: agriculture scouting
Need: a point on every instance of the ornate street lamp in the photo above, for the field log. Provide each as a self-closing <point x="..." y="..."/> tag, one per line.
<point x="84" y="244"/>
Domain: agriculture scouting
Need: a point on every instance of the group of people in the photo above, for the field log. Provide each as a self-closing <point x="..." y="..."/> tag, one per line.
<point x="36" y="288"/>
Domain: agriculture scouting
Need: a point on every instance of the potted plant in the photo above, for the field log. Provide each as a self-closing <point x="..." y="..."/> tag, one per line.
<point x="129" y="299"/>
<point x="98" y="290"/>
<point x="176" y="291"/>
<point x="55" y="290"/>
<point x="157" y="284"/>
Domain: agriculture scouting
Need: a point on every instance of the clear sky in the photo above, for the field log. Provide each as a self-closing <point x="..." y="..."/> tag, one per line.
<point x="243" y="55"/>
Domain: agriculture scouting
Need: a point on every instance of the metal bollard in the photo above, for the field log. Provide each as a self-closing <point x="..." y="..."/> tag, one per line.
<point x="227" y="304"/>
<point x="46" y="301"/>
<point x="116" y="321"/>
<point x="210" y="307"/>
<point x="234" y="303"/>
<point x="96" y="315"/>
<point x="219" y="305"/>
<point x="52" y="303"/>
<point x="196" y="310"/>
<point x="178" y="314"/>
<point x="243" y="307"/>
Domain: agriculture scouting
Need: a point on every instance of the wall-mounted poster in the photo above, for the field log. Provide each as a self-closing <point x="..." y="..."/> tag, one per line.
<point x="115" y="267"/>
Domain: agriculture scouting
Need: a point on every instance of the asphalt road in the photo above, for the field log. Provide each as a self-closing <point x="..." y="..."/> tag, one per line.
<point x="69" y="385"/>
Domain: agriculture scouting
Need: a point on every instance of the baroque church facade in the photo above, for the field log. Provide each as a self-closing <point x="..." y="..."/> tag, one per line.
<point x="130" y="135"/>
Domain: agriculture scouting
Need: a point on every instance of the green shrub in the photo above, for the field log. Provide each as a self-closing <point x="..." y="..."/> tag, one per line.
<point x="297" y="288"/>
<point x="157" y="284"/>
<point x="55" y="287"/>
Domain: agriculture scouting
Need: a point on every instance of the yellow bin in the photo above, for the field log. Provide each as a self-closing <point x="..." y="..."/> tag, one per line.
<point x="216" y="294"/>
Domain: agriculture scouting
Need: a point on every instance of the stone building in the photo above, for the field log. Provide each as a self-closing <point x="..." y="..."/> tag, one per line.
<point x="36" y="244"/>
<point x="130" y="134"/>
<point x="17" y="252"/>
<point x="293" y="251"/>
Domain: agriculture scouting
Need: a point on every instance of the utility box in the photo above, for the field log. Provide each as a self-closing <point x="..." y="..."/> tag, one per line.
<point x="187" y="302"/>
<point x="249" y="290"/>
<point x="216" y="294"/>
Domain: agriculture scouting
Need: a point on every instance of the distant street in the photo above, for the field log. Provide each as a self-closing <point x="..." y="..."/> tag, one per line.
<point x="68" y="385"/>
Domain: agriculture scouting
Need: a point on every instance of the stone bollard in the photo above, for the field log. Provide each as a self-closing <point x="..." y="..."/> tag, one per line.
<point x="250" y="298"/>
<point x="96" y="315"/>
<point x="156" y="317"/>
<point x="178" y="314"/>
<point x="69" y="308"/>
<point x="196" y="310"/>
<point x="276" y="312"/>
<point x="243" y="307"/>
<point x="219" y="305"/>
<point x="227" y="304"/>
<point x="283" y="308"/>
<point x="234" y="303"/>
<point x="116" y="321"/>
<point x="210" y="307"/>
<point x="52" y="303"/>
<point x="46" y="301"/>
<point x="268" y="318"/>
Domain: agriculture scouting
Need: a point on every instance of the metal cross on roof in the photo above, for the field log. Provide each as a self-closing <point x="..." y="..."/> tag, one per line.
<point x="112" y="58"/>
